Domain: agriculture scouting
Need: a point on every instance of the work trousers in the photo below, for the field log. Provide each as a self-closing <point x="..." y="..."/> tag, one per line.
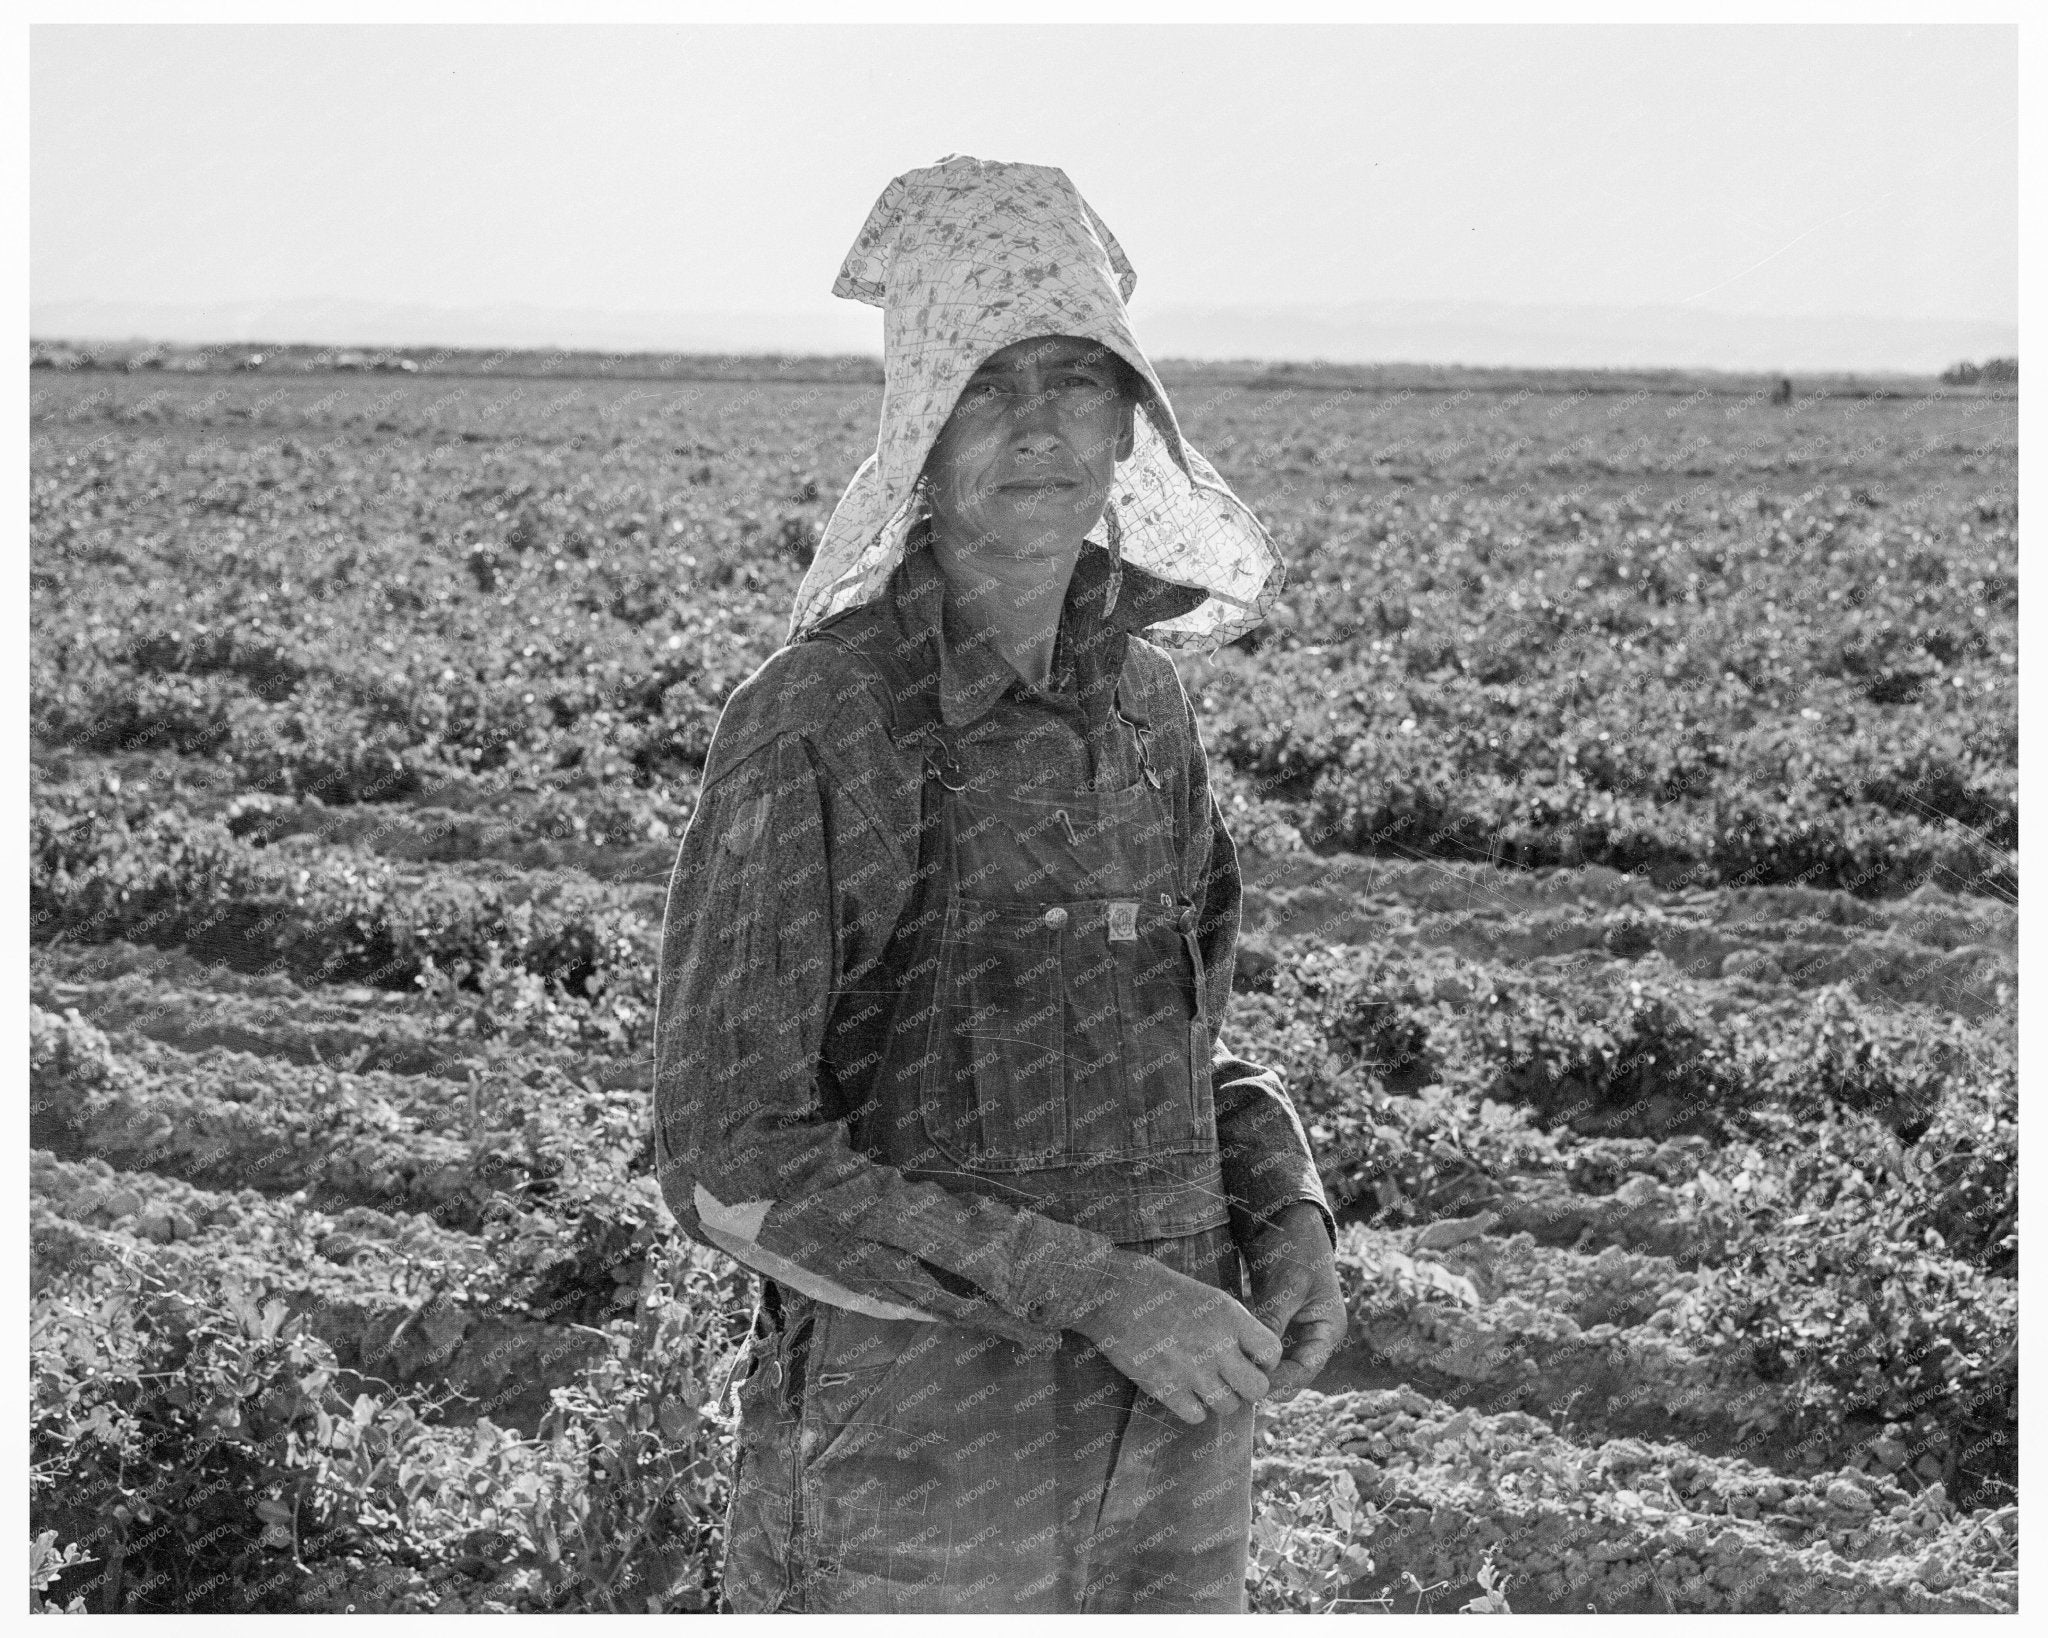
<point x="906" y="1466"/>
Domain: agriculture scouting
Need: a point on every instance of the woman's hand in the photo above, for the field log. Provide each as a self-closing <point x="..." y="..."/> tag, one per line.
<point x="1190" y="1346"/>
<point x="1296" y="1295"/>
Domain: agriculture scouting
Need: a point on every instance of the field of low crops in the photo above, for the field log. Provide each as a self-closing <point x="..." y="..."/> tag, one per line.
<point x="1627" y="789"/>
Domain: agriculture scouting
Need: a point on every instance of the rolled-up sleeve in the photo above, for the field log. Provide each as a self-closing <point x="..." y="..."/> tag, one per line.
<point x="1267" y="1161"/>
<point x="755" y="939"/>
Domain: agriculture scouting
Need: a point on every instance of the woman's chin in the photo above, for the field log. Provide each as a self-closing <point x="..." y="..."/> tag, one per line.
<point x="1038" y="534"/>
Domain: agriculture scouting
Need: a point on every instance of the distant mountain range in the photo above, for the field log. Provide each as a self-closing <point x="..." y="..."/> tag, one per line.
<point x="1476" y="333"/>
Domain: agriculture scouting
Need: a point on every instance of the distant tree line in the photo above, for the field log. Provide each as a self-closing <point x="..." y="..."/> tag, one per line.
<point x="1991" y="370"/>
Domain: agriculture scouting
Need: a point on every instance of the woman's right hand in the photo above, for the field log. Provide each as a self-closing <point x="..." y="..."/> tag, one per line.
<point x="1190" y="1346"/>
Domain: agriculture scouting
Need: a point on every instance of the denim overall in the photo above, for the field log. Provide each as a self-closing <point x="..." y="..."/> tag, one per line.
<point x="1044" y="1041"/>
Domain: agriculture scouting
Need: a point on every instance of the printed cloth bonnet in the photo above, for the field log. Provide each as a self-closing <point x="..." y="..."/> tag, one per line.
<point x="965" y="257"/>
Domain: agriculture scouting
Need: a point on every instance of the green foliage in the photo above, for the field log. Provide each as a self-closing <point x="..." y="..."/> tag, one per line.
<point x="1310" y="1550"/>
<point x="178" y="1440"/>
<point x="195" y="1444"/>
<point x="1640" y="1058"/>
<point x="166" y="878"/>
<point x="1493" y="1593"/>
<point x="46" y="1562"/>
<point x="630" y="1513"/>
<point x="1844" y="1290"/>
<point x="66" y="1057"/>
<point x="1724" y="684"/>
<point x="551" y="1171"/>
<point x="1464" y="1498"/>
<point x="1963" y="1183"/>
<point x="1658" y="691"/>
<point x="617" y="1504"/>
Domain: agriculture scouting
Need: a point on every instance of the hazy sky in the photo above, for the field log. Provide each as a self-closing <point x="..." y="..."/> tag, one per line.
<point x="1799" y="170"/>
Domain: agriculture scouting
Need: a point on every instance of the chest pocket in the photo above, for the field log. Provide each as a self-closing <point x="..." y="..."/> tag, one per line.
<point x="1068" y="1026"/>
<point x="996" y="1088"/>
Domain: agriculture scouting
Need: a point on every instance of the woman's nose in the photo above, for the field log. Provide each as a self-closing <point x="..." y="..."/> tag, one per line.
<point x="1033" y="423"/>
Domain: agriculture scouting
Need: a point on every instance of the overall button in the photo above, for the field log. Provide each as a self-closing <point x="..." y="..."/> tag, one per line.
<point x="1056" y="916"/>
<point x="1188" y="917"/>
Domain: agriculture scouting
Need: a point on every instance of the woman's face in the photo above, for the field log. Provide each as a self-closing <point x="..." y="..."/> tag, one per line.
<point x="1024" y="464"/>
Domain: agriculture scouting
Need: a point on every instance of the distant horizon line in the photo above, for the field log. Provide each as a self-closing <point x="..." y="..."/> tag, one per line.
<point x="1531" y="335"/>
<point x="268" y="358"/>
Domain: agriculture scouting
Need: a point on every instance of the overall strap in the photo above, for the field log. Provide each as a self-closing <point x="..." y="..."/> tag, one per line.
<point x="911" y="693"/>
<point x="912" y="699"/>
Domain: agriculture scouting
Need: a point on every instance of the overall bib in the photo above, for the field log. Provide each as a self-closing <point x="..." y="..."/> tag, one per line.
<point x="1046" y="1042"/>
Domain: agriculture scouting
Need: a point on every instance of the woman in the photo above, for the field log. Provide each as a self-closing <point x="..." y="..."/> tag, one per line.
<point x="944" y="963"/>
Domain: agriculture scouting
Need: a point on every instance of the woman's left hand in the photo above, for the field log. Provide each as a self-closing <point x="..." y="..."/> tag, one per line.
<point x="1296" y="1296"/>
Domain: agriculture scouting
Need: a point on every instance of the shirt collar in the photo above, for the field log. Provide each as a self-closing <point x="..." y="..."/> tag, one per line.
<point x="1105" y="602"/>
